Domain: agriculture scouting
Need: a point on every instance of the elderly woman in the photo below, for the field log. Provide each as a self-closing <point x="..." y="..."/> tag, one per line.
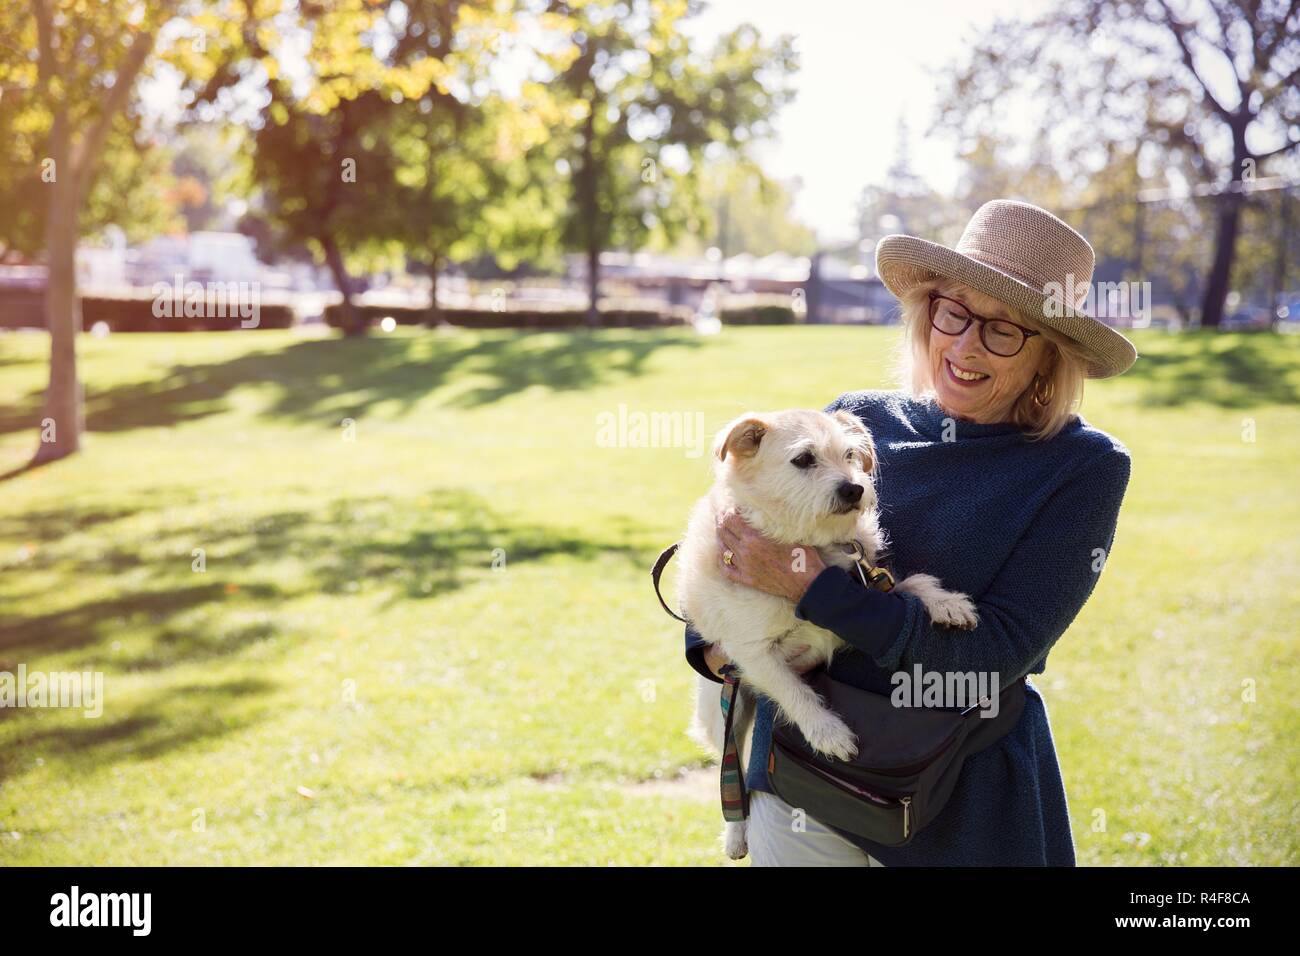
<point x="991" y="481"/>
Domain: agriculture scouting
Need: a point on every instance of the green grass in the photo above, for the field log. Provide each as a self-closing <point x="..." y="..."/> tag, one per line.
<point x="351" y="635"/>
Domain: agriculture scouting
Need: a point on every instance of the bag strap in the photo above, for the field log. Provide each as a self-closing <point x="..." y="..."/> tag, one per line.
<point x="731" y="782"/>
<point x="658" y="569"/>
<point x="735" y="799"/>
<point x="985" y="731"/>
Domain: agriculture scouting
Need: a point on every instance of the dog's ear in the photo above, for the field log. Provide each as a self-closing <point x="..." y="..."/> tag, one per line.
<point x="861" y="435"/>
<point x="741" y="438"/>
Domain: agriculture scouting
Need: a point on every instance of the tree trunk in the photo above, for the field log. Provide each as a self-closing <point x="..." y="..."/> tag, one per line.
<point x="353" y="322"/>
<point x="74" y="173"/>
<point x="593" y="285"/>
<point x="589" y="209"/>
<point x="435" y="313"/>
<point x="1280" y="263"/>
<point x="61" y="421"/>
<point x="1228" y="214"/>
<point x="1225" y="247"/>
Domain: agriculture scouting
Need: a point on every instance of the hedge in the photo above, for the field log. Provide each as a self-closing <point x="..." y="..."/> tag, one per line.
<point x="487" y="319"/>
<point x="759" y="315"/>
<point x="137" y="315"/>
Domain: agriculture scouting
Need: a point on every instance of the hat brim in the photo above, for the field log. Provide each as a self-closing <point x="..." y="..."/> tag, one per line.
<point x="905" y="262"/>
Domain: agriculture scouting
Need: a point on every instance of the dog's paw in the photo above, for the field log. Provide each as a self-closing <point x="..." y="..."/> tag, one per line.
<point x="831" y="736"/>
<point x="954" y="610"/>
<point x="734" y="841"/>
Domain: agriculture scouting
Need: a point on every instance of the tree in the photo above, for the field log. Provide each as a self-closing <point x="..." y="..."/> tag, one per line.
<point x="468" y="181"/>
<point x="80" y="82"/>
<point x="1203" y="92"/>
<point x="905" y="202"/>
<point x="747" y="212"/>
<point x="132" y="190"/>
<point x="209" y="172"/>
<point x="365" y="161"/>
<point x="323" y="179"/>
<point x="642" y="109"/>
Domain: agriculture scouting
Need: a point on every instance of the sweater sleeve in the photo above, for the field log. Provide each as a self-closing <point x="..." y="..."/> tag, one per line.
<point x="695" y="646"/>
<point x="1034" y="597"/>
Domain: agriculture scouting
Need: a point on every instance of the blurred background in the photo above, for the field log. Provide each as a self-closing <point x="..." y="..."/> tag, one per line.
<point x="311" y="312"/>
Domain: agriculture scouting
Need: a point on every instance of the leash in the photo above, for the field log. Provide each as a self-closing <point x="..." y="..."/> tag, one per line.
<point x="664" y="557"/>
<point x="731" y="781"/>
<point x="735" y="798"/>
<point x="872" y="577"/>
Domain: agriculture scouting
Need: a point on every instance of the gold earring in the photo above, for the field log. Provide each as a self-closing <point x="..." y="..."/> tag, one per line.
<point x="1043" y="396"/>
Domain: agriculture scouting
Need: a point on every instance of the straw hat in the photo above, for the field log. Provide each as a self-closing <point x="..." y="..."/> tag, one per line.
<point x="1025" y="257"/>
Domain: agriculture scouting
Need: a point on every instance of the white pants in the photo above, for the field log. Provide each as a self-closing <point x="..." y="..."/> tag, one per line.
<point x="775" y="841"/>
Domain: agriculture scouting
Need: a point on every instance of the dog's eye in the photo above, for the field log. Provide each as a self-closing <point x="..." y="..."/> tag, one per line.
<point x="848" y="455"/>
<point x="803" y="461"/>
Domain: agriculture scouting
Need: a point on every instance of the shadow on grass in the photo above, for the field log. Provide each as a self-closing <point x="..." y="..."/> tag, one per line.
<point x="22" y="470"/>
<point x="1231" y="370"/>
<point x="86" y="624"/>
<point x="8" y="359"/>
<point x="409" y="549"/>
<point x="329" y="379"/>
<point x="391" y="549"/>
<point x="403" y="549"/>
<point x="168" y="720"/>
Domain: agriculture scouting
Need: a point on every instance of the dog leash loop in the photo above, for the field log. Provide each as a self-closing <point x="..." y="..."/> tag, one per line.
<point x="664" y="557"/>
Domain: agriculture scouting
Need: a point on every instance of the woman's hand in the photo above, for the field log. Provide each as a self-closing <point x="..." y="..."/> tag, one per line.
<point x="715" y="658"/>
<point x="762" y="563"/>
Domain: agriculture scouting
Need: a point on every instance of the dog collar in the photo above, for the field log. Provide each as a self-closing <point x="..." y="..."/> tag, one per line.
<point x="872" y="577"/>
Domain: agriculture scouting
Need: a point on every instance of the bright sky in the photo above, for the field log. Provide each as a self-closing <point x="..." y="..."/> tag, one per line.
<point x="863" y="65"/>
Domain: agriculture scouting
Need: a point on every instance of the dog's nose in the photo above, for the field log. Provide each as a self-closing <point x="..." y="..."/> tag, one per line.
<point x="849" y="492"/>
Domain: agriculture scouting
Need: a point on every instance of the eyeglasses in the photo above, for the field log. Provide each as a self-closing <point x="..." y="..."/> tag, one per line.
<point x="998" y="335"/>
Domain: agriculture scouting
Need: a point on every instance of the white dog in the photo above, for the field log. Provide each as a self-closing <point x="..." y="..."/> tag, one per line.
<point x="803" y="478"/>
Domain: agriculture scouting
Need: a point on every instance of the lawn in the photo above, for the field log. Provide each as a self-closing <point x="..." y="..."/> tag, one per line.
<point x="423" y="631"/>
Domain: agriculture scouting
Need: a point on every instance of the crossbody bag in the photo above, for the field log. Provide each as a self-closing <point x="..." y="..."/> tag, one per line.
<point x="908" y="759"/>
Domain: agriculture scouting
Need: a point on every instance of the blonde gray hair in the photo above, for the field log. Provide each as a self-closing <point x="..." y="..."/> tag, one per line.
<point x="1064" y="382"/>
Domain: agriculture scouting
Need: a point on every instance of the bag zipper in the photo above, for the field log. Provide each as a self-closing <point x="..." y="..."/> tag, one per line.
<point x="905" y="802"/>
<point x="911" y="768"/>
<point x="826" y="775"/>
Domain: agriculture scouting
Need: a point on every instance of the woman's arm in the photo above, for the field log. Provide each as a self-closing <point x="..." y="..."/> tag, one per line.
<point x="1033" y="599"/>
<point x="695" y="648"/>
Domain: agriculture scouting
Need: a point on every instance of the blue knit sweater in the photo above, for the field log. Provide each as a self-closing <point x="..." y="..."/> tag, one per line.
<point x="1022" y="527"/>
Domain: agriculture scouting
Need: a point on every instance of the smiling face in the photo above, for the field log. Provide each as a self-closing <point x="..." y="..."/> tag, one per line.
<point x="971" y="382"/>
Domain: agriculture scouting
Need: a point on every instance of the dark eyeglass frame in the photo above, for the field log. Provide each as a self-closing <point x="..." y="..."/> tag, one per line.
<point x="971" y="316"/>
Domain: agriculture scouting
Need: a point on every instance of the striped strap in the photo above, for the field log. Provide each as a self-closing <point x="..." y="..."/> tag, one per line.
<point x="735" y="800"/>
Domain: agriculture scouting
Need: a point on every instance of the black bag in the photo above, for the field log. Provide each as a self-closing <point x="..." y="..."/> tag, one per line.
<point x="908" y="759"/>
<point x="907" y="763"/>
